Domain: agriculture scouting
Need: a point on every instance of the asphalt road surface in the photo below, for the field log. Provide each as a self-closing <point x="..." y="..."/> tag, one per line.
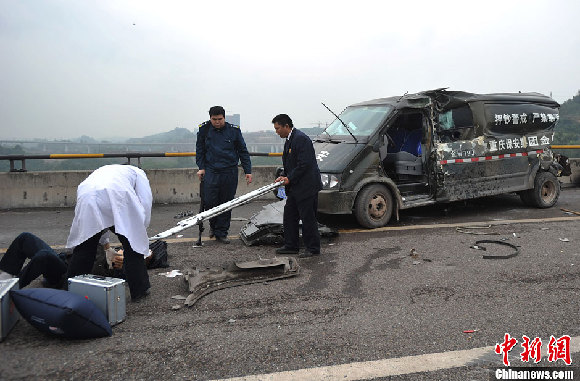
<point x="412" y="301"/>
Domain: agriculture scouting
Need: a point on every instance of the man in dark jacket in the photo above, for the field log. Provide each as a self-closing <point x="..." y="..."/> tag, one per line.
<point x="219" y="147"/>
<point x="302" y="183"/>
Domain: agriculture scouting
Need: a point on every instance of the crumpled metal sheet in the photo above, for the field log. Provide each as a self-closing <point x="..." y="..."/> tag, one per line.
<point x="267" y="227"/>
<point x="205" y="281"/>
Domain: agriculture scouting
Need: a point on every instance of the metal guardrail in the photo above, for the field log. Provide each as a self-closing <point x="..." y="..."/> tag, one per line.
<point x="138" y="156"/>
<point x="127" y="155"/>
<point x="569" y="146"/>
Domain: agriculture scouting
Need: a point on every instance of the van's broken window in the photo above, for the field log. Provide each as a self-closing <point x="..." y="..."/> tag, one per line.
<point x="456" y="118"/>
<point x="455" y="124"/>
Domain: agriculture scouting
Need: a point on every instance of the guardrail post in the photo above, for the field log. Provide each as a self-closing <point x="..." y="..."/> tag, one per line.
<point x="23" y="166"/>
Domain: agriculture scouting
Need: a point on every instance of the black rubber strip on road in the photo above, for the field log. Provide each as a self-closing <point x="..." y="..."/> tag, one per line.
<point x="507" y="256"/>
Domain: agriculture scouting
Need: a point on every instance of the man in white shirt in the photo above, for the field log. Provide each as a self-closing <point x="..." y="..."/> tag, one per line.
<point x="119" y="198"/>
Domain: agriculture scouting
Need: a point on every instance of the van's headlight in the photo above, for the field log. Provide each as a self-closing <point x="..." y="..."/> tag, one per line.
<point x="329" y="181"/>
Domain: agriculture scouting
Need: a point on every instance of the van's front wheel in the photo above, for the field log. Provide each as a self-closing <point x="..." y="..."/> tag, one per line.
<point x="545" y="192"/>
<point x="373" y="206"/>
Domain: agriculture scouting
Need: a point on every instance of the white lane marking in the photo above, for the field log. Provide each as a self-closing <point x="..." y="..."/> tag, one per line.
<point x="368" y="370"/>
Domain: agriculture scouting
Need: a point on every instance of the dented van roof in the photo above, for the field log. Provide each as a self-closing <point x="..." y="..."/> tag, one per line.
<point x="450" y="99"/>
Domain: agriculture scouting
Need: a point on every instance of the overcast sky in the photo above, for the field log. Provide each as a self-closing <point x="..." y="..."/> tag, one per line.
<point x="121" y="68"/>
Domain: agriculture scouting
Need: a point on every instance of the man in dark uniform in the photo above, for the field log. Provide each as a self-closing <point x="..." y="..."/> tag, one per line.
<point x="302" y="183"/>
<point x="219" y="147"/>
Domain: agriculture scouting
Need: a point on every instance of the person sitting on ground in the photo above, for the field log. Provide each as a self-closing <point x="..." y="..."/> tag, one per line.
<point x="43" y="260"/>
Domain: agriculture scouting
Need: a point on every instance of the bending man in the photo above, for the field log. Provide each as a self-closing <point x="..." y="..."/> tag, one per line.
<point x="119" y="198"/>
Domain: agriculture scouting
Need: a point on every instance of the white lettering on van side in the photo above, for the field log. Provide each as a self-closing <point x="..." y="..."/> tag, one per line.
<point x="516" y="143"/>
<point x="464" y="153"/>
<point x="322" y="155"/>
<point x="514" y="119"/>
<point x="545" y="140"/>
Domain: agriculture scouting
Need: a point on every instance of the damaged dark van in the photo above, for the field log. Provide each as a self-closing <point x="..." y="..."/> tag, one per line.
<point x="436" y="146"/>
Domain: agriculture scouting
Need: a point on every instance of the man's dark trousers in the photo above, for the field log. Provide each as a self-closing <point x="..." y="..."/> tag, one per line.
<point x="219" y="187"/>
<point x="305" y="210"/>
<point x="134" y="266"/>
<point x="43" y="260"/>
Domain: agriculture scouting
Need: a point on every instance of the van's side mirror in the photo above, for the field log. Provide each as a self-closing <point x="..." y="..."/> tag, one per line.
<point x="376" y="146"/>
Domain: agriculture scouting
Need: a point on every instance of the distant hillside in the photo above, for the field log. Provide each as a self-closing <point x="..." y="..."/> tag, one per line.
<point x="177" y="135"/>
<point x="568" y="127"/>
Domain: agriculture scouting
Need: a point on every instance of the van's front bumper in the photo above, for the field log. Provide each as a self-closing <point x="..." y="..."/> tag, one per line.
<point x="335" y="202"/>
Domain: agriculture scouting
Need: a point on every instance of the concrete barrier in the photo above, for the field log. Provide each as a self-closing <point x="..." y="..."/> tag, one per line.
<point x="59" y="188"/>
<point x="575" y="176"/>
<point x="169" y="186"/>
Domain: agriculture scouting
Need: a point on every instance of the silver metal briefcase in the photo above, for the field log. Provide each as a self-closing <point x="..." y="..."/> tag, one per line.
<point x="107" y="293"/>
<point x="9" y="315"/>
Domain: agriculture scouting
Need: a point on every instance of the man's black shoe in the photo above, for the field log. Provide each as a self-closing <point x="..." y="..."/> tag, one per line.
<point x="285" y="250"/>
<point x="307" y="254"/>
<point x="211" y="233"/>
<point x="141" y="296"/>
<point x="222" y="239"/>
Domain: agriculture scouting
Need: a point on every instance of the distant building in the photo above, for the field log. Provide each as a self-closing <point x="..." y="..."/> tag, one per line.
<point x="233" y="119"/>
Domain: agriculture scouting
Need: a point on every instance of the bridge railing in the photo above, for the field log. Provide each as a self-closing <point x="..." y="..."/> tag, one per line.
<point x="139" y="155"/>
<point x="126" y="155"/>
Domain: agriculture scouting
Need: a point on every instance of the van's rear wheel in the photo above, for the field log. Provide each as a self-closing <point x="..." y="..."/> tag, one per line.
<point x="373" y="206"/>
<point x="545" y="192"/>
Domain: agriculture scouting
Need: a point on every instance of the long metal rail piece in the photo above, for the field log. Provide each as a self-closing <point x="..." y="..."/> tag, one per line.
<point x="216" y="211"/>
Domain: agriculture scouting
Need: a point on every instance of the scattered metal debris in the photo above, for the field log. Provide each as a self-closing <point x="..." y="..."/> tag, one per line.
<point x="186" y="213"/>
<point x="570" y="211"/>
<point x="507" y="256"/>
<point x="415" y="255"/>
<point x="476" y="247"/>
<point x="468" y="230"/>
<point x="266" y="226"/>
<point x="203" y="282"/>
<point x="171" y="274"/>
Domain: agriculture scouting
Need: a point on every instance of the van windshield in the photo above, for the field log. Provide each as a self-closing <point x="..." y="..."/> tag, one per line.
<point x="361" y="120"/>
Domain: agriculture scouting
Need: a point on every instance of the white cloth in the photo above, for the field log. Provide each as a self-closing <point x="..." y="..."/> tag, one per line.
<point x="113" y="195"/>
